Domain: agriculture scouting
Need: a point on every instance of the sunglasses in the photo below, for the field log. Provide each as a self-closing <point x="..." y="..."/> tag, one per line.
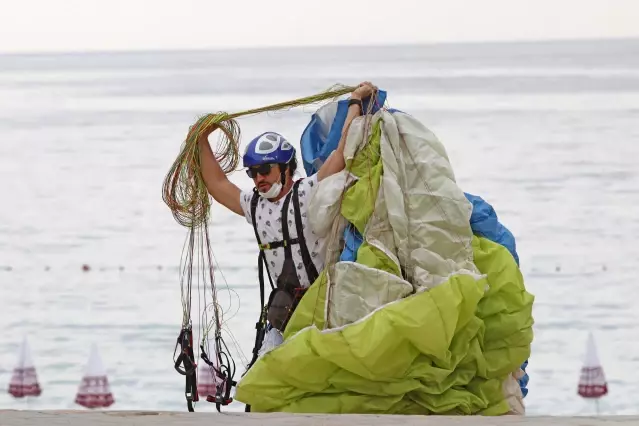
<point x="262" y="169"/>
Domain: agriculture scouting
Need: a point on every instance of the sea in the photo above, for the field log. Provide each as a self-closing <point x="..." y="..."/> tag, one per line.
<point x="546" y="132"/>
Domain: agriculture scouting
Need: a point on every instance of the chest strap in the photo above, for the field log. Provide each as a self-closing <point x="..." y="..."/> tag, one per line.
<point x="286" y="241"/>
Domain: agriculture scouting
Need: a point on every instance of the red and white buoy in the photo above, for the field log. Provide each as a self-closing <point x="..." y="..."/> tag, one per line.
<point x="592" y="381"/>
<point x="94" y="390"/>
<point x="207" y="381"/>
<point x="24" y="381"/>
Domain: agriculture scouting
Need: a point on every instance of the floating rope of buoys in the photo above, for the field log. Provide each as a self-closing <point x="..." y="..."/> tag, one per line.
<point x="147" y="267"/>
<point x="184" y="191"/>
<point x="85" y="267"/>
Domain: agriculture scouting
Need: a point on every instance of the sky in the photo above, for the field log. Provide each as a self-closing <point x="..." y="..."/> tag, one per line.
<point x="90" y="25"/>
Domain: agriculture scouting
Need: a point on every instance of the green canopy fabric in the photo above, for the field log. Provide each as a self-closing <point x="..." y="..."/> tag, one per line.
<point x="429" y="318"/>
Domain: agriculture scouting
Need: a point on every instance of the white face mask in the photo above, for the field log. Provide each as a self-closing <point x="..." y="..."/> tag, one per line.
<point x="273" y="192"/>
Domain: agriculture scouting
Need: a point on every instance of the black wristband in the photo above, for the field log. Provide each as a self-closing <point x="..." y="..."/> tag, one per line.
<point x="355" y="101"/>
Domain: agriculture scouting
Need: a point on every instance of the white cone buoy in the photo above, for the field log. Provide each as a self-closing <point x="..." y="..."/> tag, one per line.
<point x="24" y="381"/>
<point x="592" y="381"/>
<point x="207" y="381"/>
<point x="94" y="390"/>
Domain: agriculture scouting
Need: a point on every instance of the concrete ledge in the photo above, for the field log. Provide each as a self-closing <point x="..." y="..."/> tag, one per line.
<point x="143" y="418"/>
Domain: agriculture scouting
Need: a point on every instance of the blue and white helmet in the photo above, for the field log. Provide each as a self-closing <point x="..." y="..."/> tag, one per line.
<point x="269" y="147"/>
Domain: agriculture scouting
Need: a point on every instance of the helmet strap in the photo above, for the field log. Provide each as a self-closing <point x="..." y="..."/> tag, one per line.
<point x="283" y="167"/>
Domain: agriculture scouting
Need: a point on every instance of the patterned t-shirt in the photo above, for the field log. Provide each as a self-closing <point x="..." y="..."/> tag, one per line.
<point x="269" y="227"/>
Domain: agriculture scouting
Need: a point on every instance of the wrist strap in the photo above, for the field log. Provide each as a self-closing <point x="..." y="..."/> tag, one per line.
<point x="356" y="102"/>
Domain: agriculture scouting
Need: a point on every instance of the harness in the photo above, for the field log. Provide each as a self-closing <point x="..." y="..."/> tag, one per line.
<point x="288" y="289"/>
<point x="185" y="364"/>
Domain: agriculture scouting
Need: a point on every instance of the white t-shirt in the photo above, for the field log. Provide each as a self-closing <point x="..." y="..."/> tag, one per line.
<point x="269" y="227"/>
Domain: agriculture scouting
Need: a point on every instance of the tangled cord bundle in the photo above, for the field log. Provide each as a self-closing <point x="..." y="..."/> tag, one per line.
<point x="184" y="191"/>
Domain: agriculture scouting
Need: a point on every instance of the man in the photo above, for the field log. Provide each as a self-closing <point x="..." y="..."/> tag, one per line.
<point x="277" y="208"/>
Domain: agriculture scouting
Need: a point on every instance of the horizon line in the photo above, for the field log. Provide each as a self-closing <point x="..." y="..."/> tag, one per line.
<point x="317" y="46"/>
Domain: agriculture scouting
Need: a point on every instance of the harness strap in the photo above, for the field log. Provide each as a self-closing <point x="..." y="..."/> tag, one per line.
<point x="311" y="271"/>
<point x="278" y="244"/>
<point x="185" y="365"/>
<point x="225" y="372"/>
<point x="285" y="234"/>
<point x="286" y="242"/>
<point x="261" y="258"/>
<point x="260" y="325"/>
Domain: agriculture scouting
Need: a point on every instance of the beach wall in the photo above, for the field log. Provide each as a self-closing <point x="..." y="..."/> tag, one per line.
<point x="143" y="418"/>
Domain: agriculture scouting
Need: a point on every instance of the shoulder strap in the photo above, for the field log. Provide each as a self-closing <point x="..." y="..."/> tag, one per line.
<point x="311" y="271"/>
<point x="261" y="261"/>
<point x="254" y="201"/>
<point x="285" y="233"/>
